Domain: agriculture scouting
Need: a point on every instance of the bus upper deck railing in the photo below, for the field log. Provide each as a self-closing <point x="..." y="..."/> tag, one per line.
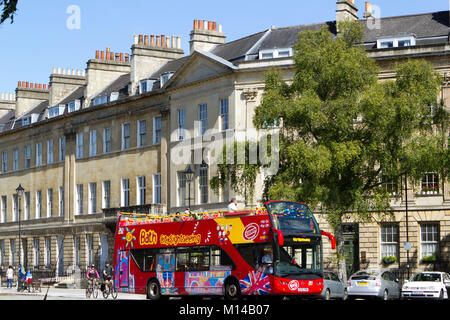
<point x="142" y="218"/>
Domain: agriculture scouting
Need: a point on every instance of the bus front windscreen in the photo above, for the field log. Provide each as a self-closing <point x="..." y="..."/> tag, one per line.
<point x="292" y="218"/>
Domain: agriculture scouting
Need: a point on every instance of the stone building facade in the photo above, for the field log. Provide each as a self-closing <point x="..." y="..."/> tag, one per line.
<point x="108" y="138"/>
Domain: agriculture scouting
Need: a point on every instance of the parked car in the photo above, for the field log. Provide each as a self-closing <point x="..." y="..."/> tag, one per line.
<point x="429" y="285"/>
<point x="333" y="287"/>
<point x="379" y="284"/>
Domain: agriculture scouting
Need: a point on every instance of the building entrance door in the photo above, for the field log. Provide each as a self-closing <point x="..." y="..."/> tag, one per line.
<point x="351" y="247"/>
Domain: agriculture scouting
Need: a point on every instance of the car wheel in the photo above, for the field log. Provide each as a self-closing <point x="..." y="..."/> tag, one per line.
<point x="327" y="294"/>
<point x="345" y="296"/>
<point x="385" y="295"/>
<point x="441" y="295"/>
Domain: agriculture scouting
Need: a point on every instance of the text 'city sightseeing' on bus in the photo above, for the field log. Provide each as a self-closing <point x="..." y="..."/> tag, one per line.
<point x="275" y="250"/>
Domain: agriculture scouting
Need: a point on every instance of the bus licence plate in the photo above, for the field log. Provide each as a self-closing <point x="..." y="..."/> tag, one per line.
<point x="303" y="289"/>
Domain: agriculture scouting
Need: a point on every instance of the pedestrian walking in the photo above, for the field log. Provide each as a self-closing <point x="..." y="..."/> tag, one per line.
<point x="9" y="277"/>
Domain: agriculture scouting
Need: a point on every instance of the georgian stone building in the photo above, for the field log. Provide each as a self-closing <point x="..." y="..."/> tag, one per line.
<point x="106" y="139"/>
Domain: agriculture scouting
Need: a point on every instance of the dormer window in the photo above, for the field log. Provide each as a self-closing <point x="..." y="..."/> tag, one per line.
<point x="74" y="106"/>
<point x="396" y="42"/>
<point x="26" y="121"/>
<point x="146" y="85"/>
<point x="114" y="96"/>
<point x="275" y="53"/>
<point x="56" y="111"/>
<point x="165" y="77"/>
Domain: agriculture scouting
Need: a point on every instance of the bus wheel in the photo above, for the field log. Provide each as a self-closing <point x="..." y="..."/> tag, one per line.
<point x="232" y="290"/>
<point x="153" y="290"/>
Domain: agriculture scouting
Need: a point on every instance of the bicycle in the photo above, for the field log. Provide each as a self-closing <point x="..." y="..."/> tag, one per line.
<point x="92" y="289"/>
<point x="110" y="291"/>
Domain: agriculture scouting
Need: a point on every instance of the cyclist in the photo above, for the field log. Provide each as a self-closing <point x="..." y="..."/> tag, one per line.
<point x="92" y="276"/>
<point x="107" y="275"/>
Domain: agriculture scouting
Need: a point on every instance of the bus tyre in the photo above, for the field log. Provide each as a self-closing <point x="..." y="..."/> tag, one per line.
<point x="232" y="290"/>
<point x="153" y="290"/>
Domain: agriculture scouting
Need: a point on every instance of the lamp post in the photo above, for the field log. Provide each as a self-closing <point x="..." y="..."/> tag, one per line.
<point x="19" y="192"/>
<point x="404" y="160"/>
<point x="189" y="174"/>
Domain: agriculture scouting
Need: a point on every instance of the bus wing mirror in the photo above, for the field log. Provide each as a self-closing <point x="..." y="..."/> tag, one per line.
<point x="280" y="237"/>
<point x="331" y="237"/>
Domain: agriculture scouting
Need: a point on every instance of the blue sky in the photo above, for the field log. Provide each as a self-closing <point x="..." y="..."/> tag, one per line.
<point x="39" y="38"/>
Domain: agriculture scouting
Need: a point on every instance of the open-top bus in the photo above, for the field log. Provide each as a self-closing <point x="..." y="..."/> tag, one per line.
<point x="274" y="250"/>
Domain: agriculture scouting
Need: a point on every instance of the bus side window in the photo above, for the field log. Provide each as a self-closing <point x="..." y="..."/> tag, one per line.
<point x="219" y="257"/>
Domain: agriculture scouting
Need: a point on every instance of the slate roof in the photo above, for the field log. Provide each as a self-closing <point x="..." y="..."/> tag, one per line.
<point x="77" y="94"/>
<point x="119" y="85"/>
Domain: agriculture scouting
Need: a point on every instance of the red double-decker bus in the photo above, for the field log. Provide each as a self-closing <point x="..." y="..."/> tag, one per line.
<point x="275" y="250"/>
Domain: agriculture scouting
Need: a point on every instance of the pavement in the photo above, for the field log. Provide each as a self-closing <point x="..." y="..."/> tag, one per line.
<point x="59" y="294"/>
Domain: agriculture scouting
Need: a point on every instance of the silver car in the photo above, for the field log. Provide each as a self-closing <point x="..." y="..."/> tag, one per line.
<point x="380" y="284"/>
<point x="333" y="287"/>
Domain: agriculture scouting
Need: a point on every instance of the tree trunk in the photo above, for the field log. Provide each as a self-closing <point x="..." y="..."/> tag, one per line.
<point x="342" y="267"/>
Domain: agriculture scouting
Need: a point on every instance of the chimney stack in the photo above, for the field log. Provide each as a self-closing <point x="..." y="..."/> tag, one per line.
<point x="150" y="55"/>
<point x="63" y="83"/>
<point x="368" y="13"/>
<point x="103" y="71"/>
<point x="346" y="10"/>
<point x="29" y="95"/>
<point x="206" y="35"/>
<point x="7" y="103"/>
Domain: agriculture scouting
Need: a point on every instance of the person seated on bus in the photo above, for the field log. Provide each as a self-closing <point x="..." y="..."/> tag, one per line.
<point x="267" y="259"/>
<point x="233" y="205"/>
<point x="92" y="275"/>
<point x="177" y="217"/>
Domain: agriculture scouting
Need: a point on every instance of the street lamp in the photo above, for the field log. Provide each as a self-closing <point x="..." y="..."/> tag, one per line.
<point x="404" y="160"/>
<point x="19" y="192"/>
<point x="189" y="174"/>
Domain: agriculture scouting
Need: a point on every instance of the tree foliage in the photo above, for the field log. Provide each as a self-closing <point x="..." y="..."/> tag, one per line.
<point x="8" y="8"/>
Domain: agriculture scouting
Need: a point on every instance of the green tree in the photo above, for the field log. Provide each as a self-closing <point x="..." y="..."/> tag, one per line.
<point x="345" y="134"/>
<point x="8" y="8"/>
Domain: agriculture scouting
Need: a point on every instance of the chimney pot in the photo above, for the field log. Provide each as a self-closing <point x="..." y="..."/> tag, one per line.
<point x="146" y="40"/>
<point x="45" y="87"/>
<point x="27" y="84"/>
<point x="174" y="42"/>
<point x="152" y="40"/>
<point x="111" y="56"/>
<point x="214" y="26"/>
<point x="141" y="42"/>
<point x="127" y="57"/>
<point x="121" y="57"/>
<point x="195" y="24"/>
<point x="102" y="55"/>
<point x="220" y="28"/>
<point x="210" y="25"/>
<point x="163" y="41"/>
<point x="97" y="54"/>
<point x="205" y="24"/>
<point x="200" y="24"/>
<point x="19" y="84"/>
<point x="178" y="42"/>
<point x="23" y="84"/>
<point x="117" y="56"/>
<point x="157" y="41"/>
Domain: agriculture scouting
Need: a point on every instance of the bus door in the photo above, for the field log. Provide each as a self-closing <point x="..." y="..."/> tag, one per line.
<point x="123" y="268"/>
<point x="165" y="271"/>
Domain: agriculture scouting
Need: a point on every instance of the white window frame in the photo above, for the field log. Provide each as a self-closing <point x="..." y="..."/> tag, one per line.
<point x="79" y="145"/>
<point x="36" y="251"/>
<point x="126" y="139"/>
<point x="15" y="159"/>
<point x="203" y="118"/>
<point x="62" y="148"/>
<point x="93" y="143"/>
<point x="395" y="41"/>
<point x="92" y="204"/>
<point x="389" y="247"/>
<point x="27" y="205"/>
<point x="224" y="113"/>
<point x="79" y="200"/>
<point x="106" y="140"/>
<point x="38" y="204"/>
<point x="49" y="151"/>
<point x="38" y="154"/>
<point x="203" y="185"/>
<point x="4" y="209"/>
<point x="141" y="190"/>
<point x="141" y="134"/>
<point x="4" y="162"/>
<point x="182" y="183"/>
<point x="275" y="53"/>
<point x="27" y="157"/>
<point x="157" y="130"/>
<point x="61" y="202"/>
<point x="157" y="188"/>
<point x="49" y="203"/>
<point x="48" y="251"/>
<point x="15" y="208"/>
<point x="431" y="241"/>
<point x="125" y="192"/>
<point x="106" y="194"/>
